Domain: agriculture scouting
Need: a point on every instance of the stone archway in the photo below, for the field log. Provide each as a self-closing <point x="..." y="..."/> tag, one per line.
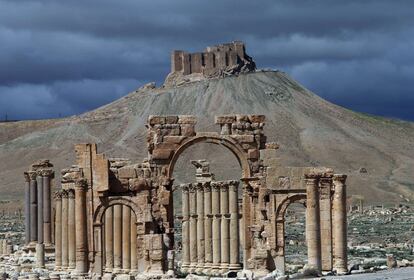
<point x="125" y="213"/>
<point x="227" y="142"/>
<point x="279" y="257"/>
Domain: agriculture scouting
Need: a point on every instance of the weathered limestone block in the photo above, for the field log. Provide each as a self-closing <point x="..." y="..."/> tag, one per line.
<point x="127" y="172"/>
<point x="257" y="118"/>
<point x="188" y="130"/>
<point x="225" y="119"/>
<point x="187" y="119"/>
<point x="139" y="184"/>
<point x="161" y="154"/>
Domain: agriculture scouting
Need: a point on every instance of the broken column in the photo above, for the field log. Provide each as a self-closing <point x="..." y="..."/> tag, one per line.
<point x="71" y="229"/>
<point x="185" y="228"/>
<point x="40" y="255"/>
<point x="81" y="227"/>
<point x="339" y="231"/>
<point x="27" y="208"/>
<point x="193" y="227"/>
<point x="200" y="227"/>
<point x="234" y="225"/>
<point x="58" y="229"/>
<point x="313" y="235"/>
<point x="109" y="239"/>
<point x="225" y="227"/>
<point x="216" y="240"/>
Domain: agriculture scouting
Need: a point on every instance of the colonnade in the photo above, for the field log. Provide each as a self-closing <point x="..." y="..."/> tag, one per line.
<point x="38" y="207"/>
<point x="120" y="239"/>
<point x="210" y="227"/>
<point x="326" y="222"/>
<point x="70" y="228"/>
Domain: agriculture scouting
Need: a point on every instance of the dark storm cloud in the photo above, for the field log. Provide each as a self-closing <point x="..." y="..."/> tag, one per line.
<point x="66" y="57"/>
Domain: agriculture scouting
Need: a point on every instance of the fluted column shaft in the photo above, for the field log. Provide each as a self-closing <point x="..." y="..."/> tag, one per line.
<point x="326" y="222"/>
<point x="234" y="225"/>
<point x="81" y="227"/>
<point x="33" y="206"/>
<point x="208" y="223"/>
<point x="200" y="227"/>
<point x="39" y="180"/>
<point x="126" y="239"/>
<point x="193" y="226"/>
<point x="71" y="230"/>
<point x="109" y="239"/>
<point x="65" y="228"/>
<point x="313" y="235"/>
<point x="225" y="226"/>
<point x="58" y="229"/>
<point x="185" y="228"/>
<point x="134" y="260"/>
<point x="216" y="239"/>
<point x="47" y="207"/>
<point x="339" y="231"/>
<point x="27" y="208"/>
<point x="117" y="237"/>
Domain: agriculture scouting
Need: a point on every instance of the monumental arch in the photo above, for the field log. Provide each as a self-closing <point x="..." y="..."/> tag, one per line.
<point x="124" y="217"/>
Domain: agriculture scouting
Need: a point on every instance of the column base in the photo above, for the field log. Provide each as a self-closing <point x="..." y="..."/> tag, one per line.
<point x="199" y="268"/>
<point x="235" y="266"/>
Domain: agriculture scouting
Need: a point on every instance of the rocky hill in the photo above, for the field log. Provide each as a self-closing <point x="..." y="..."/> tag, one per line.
<point x="376" y="153"/>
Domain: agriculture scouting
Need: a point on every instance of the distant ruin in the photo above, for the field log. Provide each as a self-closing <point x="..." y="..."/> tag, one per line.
<point x="215" y="61"/>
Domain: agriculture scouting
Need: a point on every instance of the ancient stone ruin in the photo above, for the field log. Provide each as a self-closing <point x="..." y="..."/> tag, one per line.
<point x="114" y="217"/>
<point x="215" y="61"/>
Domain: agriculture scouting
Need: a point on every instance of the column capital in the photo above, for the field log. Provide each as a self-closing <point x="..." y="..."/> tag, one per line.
<point x="215" y="186"/>
<point x="71" y="193"/>
<point x="32" y="175"/>
<point x="207" y="186"/>
<point x="312" y="178"/>
<point x="47" y="173"/>
<point x="339" y="179"/>
<point x="184" y="188"/>
<point x="81" y="184"/>
<point x="64" y="194"/>
<point x="199" y="187"/>
<point x="192" y="188"/>
<point x="57" y="195"/>
<point x="26" y="176"/>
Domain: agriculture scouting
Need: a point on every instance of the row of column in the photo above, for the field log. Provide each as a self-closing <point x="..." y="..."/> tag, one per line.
<point x="326" y="222"/>
<point x="210" y="227"/>
<point x="38" y="207"/>
<point x="71" y="248"/>
<point x="120" y="240"/>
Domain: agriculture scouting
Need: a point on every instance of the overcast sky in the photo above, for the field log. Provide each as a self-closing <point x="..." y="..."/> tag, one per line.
<point x="59" y="58"/>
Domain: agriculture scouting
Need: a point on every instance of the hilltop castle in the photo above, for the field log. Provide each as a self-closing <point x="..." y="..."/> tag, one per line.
<point x="215" y="61"/>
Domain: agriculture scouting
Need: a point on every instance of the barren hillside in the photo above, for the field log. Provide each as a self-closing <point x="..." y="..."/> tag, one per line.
<point x="310" y="131"/>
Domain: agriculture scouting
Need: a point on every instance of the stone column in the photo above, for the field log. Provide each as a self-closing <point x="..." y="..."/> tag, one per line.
<point x="193" y="227"/>
<point x="339" y="231"/>
<point x="65" y="233"/>
<point x="234" y="225"/>
<point x="33" y="206"/>
<point x="71" y="230"/>
<point x="81" y="227"/>
<point x="208" y="223"/>
<point x="109" y="239"/>
<point x="185" y="229"/>
<point x="58" y="229"/>
<point x="39" y="180"/>
<point x="134" y="260"/>
<point x="47" y="207"/>
<point x="27" y="208"/>
<point x="117" y="238"/>
<point x="200" y="227"/>
<point x="216" y="240"/>
<point x="326" y="222"/>
<point x="40" y="255"/>
<point x="225" y="227"/>
<point x="126" y="239"/>
<point x="313" y="234"/>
